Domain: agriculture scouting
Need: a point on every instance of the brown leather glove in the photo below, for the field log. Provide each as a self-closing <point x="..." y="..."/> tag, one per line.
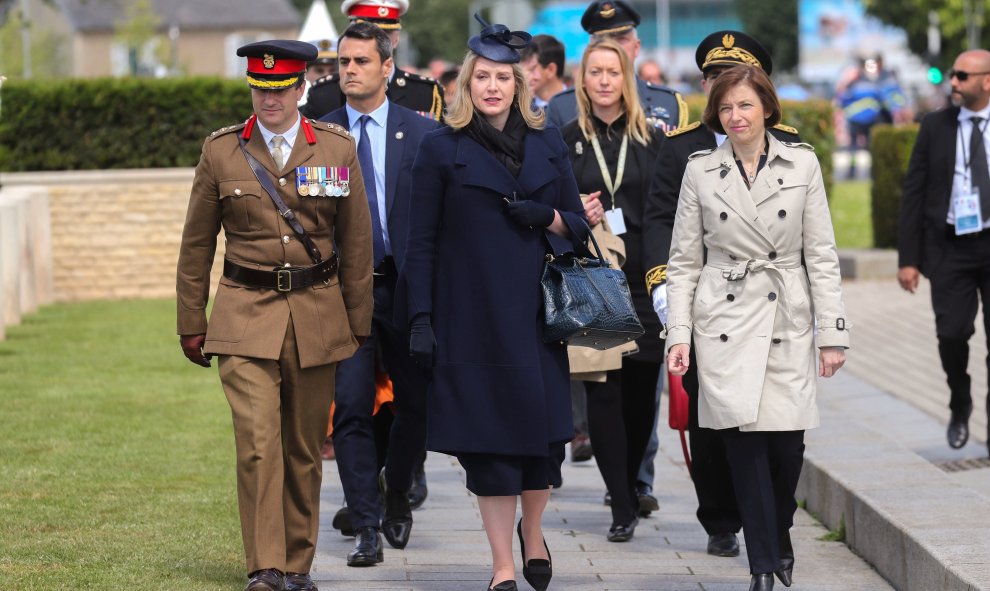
<point x="192" y="348"/>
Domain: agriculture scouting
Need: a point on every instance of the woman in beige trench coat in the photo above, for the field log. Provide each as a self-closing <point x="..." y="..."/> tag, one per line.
<point x="754" y="279"/>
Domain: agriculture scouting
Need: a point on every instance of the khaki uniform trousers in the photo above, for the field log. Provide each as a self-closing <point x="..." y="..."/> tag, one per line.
<point x="280" y="415"/>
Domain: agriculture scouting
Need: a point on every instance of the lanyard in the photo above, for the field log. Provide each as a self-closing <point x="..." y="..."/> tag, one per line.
<point x="620" y="169"/>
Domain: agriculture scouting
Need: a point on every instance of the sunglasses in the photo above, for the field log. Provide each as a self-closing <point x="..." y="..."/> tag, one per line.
<point x="964" y="76"/>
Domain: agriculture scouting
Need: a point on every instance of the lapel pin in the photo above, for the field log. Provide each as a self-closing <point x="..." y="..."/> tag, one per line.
<point x="399" y="135"/>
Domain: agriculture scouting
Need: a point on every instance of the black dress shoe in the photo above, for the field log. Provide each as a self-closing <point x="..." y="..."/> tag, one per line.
<point x="269" y="579"/>
<point x="762" y="582"/>
<point x="536" y="571"/>
<point x="509" y="585"/>
<point x="958" y="431"/>
<point x="398" y="520"/>
<point x="299" y="582"/>
<point x="418" y="490"/>
<point x="786" y="571"/>
<point x="581" y="450"/>
<point x="622" y="533"/>
<point x="342" y="521"/>
<point x="723" y="544"/>
<point x="647" y="502"/>
<point x="368" y="549"/>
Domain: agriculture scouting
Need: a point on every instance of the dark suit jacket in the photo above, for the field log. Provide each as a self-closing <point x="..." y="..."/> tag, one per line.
<point x="404" y="131"/>
<point x="927" y="189"/>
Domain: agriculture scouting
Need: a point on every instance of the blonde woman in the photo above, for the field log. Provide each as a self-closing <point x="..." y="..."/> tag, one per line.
<point x="612" y="149"/>
<point x="494" y="193"/>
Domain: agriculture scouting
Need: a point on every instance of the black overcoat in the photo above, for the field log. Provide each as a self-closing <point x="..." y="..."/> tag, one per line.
<point x="496" y="387"/>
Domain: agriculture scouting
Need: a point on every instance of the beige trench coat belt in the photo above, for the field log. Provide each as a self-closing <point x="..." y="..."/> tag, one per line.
<point x="734" y="269"/>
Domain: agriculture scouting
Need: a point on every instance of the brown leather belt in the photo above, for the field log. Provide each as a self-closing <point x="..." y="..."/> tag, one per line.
<point x="282" y="278"/>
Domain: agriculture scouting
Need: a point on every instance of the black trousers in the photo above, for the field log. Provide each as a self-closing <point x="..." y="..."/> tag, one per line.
<point x="353" y="425"/>
<point x="765" y="467"/>
<point x="958" y="283"/>
<point x="717" y="508"/>
<point x="620" y="421"/>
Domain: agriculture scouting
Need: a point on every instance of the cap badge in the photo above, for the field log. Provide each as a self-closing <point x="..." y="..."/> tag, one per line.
<point x="728" y="40"/>
<point x="607" y="11"/>
<point x="324" y="44"/>
<point x="269" y="61"/>
<point x="382" y="11"/>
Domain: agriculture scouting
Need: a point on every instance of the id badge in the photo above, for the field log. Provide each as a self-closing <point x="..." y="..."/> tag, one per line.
<point x="966" y="207"/>
<point x="616" y="221"/>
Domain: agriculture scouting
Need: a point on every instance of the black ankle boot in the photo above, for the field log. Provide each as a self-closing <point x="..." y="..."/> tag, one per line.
<point x="786" y="571"/>
<point x="763" y="582"/>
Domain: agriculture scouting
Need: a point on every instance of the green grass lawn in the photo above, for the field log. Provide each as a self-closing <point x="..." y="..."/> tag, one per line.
<point x="116" y="455"/>
<point x="851" y="214"/>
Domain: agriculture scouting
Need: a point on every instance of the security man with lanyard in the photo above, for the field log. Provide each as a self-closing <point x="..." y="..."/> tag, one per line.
<point x="717" y="510"/>
<point x="664" y="107"/>
<point x="288" y="193"/>
<point x="408" y="89"/>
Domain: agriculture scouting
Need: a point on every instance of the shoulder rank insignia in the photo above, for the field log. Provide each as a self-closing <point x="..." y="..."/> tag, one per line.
<point x="800" y="145"/>
<point x="685" y="129"/>
<point x="786" y="128"/>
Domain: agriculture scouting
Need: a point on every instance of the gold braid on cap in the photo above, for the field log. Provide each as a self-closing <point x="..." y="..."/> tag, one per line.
<point x="656" y="276"/>
<point x="730" y="53"/>
<point x="261" y="84"/>
<point x="385" y="26"/>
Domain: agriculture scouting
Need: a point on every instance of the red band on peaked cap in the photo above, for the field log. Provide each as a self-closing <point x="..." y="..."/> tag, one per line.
<point x="256" y="65"/>
<point x="373" y="12"/>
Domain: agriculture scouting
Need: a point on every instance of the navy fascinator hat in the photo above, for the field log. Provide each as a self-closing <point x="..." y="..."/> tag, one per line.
<point x="498" y="43"/>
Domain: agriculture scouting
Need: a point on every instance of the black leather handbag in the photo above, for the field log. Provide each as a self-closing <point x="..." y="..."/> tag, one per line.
<point x="587" y="302"/>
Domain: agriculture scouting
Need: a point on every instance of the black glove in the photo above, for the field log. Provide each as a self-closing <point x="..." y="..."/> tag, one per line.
<point x="530" y="213"/>
<point x="422" y="343"/>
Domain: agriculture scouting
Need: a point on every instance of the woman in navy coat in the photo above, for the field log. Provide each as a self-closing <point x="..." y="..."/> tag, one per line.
<point x="492" y="195"/>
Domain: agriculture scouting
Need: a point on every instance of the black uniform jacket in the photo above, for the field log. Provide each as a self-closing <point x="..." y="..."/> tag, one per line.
<point x="410" y="90"/>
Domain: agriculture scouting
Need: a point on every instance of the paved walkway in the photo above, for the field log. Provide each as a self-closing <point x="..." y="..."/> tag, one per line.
<point x="448" y="550"/>
<point x="893" y="385"/>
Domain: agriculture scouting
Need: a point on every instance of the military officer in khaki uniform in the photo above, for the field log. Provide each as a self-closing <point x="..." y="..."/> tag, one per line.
<point x="289" y="305"/>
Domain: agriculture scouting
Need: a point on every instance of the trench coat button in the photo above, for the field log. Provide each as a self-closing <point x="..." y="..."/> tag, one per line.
<point x="732" y="256"/>
<point x="723" y="216"/>
<point x="285" y="239"/>
<point x="771" y="296"/>
<point x="780" y="181"/>
<point x="782" y="214"/>
<point x="281" y="182"/>
<point x="776" y="341"/>
<point x="772" y="255"/>
<point x="237" y="192"/>
<point x="723" y="337"/>
<point x="730" y="297"/>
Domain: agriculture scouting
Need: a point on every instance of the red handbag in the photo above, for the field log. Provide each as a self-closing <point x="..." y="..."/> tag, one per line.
<point x="677" y="415"/>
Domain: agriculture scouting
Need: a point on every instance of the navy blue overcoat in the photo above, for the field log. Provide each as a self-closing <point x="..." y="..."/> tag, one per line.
<point x="497" y="387"/>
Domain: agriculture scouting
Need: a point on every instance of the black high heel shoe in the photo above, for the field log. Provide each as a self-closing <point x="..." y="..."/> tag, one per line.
<point x="762" y="582"/>
<point x="536" y="571"/>
<point x="786" y="571"/>
<point x="509" y="585"/>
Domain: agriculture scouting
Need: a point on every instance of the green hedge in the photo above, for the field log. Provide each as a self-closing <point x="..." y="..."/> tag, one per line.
<point x="890" y="149"/>
<point x="114" y="123"/>
<point x="813" y="120"/>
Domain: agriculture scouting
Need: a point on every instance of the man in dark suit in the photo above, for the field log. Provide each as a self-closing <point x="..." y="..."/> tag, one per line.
<point x="408" y="89"/>
<point x="944" y="229"/>
<point x="617" y="20"/>
<point x="717" y="509"/>
<point x="388" y="136"/>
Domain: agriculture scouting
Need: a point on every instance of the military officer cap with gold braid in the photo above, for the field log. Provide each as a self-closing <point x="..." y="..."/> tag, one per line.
<point x="724" y="49"/>
<point x="326" y="51"/>
<point x="276" y="64"/>
<point x="384" y="13"/>
<point x="609" y="17"/>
